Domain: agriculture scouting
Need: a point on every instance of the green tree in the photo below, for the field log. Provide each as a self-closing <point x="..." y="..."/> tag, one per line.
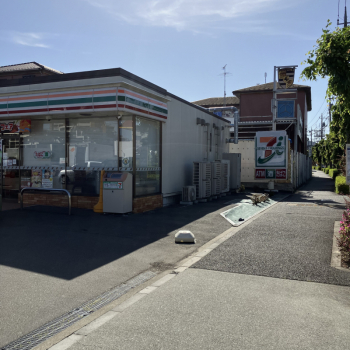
<point x="330" y="58"/>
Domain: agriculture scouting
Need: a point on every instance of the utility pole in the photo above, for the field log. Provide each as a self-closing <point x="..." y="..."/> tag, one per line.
<point x="310" y="147"/>
<point x="321" y="126"/>
<point x="330" y="113"/>
<point x="311" y="136"/>
<point x="224" y="68"/>
<point x="345" y="17"/>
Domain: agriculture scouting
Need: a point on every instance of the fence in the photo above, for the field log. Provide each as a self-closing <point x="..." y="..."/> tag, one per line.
<point x="301" y="166"/>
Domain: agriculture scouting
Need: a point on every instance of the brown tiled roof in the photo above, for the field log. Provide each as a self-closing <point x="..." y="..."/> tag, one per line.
<point x="217" y="101"/>
<point x="26" y="67"/>
<point x="269" y="87"/>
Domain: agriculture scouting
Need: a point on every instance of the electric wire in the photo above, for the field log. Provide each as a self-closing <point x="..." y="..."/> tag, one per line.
<point x="317" y="111"/>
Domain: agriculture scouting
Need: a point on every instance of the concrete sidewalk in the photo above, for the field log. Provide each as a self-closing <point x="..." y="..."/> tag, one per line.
<point x="268" y="286"/>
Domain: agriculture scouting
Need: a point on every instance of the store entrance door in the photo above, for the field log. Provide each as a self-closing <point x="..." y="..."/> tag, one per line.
<point x="11" y="158"/>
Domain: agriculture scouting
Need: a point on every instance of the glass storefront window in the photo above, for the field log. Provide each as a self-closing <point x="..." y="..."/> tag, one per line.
<point x="70" y="154"/>
<point x="147" y="183"/>
<point x="43" y="147"/>
<point x="147" y="156"/>
<point x="92" y="145"/>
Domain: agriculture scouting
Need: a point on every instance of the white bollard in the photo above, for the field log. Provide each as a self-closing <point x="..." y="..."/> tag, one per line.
<point x="185" y="237"/>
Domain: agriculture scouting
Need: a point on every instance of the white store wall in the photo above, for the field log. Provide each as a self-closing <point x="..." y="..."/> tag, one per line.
<point x="185" y="142"/>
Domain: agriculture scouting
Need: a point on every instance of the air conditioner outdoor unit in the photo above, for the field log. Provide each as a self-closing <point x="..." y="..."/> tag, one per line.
<point x="225" y="176"/>
<point x="189" y="193"/>
<point x="215" y="186"/>
<point x="202" y="179"/>
<point x="216" y="178"/>
<point x="216" y="170"/>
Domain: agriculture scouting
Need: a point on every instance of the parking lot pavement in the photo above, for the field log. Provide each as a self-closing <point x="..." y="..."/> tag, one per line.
<point x="51" y="263"/>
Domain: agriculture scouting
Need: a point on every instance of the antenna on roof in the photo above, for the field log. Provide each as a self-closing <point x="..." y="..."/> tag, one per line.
<point x="265" y="74"/>
<point x="224" y="74"/>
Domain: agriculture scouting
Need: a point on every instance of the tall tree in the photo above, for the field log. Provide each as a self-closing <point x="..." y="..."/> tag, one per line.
<point x="330" y="58"/>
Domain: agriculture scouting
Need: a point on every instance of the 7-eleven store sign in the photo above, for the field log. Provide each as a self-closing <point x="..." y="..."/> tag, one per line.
<point x="271" y="155"/>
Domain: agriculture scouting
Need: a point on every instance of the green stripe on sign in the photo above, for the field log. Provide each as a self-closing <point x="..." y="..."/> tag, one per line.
<point x="70" y="101"/>
<point x="158" y="109"/>
<point x="121" y="98"/>
<point x="104" y="99"/>
<point x="28" y="104"/>
<point x="3" y="106"/>
<point x="137" y="102"/>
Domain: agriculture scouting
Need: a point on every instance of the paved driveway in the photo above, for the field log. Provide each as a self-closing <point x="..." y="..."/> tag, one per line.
<point x="50" y="262"/>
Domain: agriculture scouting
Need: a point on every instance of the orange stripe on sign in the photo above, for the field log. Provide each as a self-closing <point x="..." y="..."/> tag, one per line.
<point x="23" y="98"/>
<point x="265" y="139"/>
<point x="67" y="94"/>
<point x="143" y="97"/>
<point x="105" y="92"/>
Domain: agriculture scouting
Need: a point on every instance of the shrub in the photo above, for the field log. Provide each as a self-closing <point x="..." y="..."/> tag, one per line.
<point x="344" y="236"/>
<point x="317" y="167"/>
<point x="333" y="173"/>
<point x="340" y="185"/>
<point x="326" y="170"/>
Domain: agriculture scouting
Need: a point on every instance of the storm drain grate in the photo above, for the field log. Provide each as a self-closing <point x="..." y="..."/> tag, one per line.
<point x="48" y="330"/>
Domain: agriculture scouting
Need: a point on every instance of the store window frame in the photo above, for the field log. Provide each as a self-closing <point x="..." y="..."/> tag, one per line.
<point x="160" y="158"/>
<point x="134" y="169"/>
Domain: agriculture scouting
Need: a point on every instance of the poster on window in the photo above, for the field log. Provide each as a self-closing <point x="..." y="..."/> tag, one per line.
<point x="36" y="178"/>
<point x="16" y="126"/>
<point x="47" y="179"/>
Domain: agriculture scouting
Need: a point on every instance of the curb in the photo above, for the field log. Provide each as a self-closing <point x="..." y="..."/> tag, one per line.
<point x="336" y="255"/>
<point x="78" y="331"/>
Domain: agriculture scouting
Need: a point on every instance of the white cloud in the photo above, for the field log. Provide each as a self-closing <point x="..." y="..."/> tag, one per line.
<point x="193" y="15"/>
<point x="29" y="39"/>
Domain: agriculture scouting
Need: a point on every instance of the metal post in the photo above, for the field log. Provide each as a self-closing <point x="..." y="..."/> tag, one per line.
<point x="2" y="177"/>
<point x="311" y="144"/>
<point x="274" y="100"/>
<point x="321" y="126"/>
<point x="236" y="127"/>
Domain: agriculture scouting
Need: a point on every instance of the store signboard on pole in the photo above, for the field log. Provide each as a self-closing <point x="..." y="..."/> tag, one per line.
<point x="271" y="155"/>
<point x="286" y="77"/>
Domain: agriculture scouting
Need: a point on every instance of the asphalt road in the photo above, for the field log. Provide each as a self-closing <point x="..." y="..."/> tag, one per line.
<point x="51" y="263"/>
<point x="292" y="240"/>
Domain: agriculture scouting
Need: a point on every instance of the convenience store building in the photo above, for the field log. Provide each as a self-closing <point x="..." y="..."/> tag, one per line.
<point x="60" y="131"/>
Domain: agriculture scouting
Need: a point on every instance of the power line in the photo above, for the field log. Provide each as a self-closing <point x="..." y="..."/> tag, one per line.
<point x="318" y="110"/>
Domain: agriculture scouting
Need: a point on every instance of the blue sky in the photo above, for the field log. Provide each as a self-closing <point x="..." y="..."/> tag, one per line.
<point x="180" y="45"/>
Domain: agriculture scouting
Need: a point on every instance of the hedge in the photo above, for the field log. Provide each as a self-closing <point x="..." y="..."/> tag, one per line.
<point x="317" y="167"/>
<point x="333" y="173"/>
<point x="340" y="185"/>
<point x="326" y="170"/>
